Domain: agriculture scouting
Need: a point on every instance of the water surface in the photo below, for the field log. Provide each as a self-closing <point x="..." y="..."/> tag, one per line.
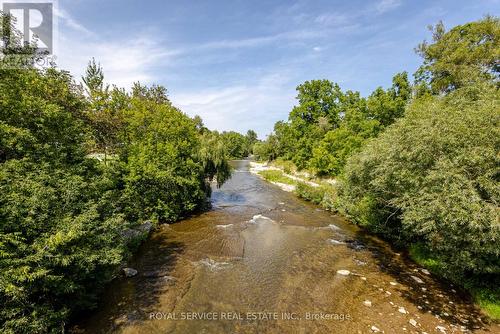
<point x="264" y="261"/>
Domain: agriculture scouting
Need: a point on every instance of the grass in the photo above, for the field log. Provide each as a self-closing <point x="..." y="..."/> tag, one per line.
<point x="276" y="176"/>
<point x="287" y="166"/>
<point x="488" y="298"/>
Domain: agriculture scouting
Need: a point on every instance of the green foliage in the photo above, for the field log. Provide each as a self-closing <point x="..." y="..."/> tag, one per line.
<point x="329" y="125"/>
<point x="162" y="178"/>
<point x="64" y="218"/>
<point x="214" y="157"/>
<point x="433" y="178"/>
<point x="324" y="194"/>
<point x="59" y="242"/>
<point x="287" y="166"/>
<point x="276" y="176"/>
<point x="463" y="55"/>
<point x="309" y="193"/>
<point x="330" y="155"/>
<point x="239" y="146"/>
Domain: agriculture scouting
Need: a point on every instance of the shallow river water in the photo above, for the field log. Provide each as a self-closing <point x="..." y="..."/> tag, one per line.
<point x="264" y="261"/>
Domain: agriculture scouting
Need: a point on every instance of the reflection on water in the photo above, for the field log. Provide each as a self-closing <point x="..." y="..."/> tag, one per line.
<point x="263" y="261"/>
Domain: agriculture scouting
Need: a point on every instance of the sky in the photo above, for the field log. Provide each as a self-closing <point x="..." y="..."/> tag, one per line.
<point x="236" y="63"/>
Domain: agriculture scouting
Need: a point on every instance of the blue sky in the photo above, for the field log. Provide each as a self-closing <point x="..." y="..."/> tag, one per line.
<point x="236" y="63"/>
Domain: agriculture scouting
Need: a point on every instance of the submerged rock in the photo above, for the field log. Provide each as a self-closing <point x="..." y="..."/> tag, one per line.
<point x="343" y="272"/>
<point x="367" y="303"/>
<point x="129" y="272"/>
<point x="417" y="279"/>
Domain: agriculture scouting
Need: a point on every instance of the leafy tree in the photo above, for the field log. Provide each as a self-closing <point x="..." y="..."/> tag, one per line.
<point x="332" y="152"/>
<point x="59" y="233"/>
<point x="236" y="144"/>
<point x="460" y="56"/>
<point x="432" y="178"/>
<point x="251" y="139"/>
<point x="94" y="79"/>
<point x="387" y="106"/>
<point x="64" y="216"/>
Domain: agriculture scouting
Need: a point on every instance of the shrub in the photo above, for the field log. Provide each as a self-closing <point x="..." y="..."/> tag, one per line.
<point x="432" y="178"/>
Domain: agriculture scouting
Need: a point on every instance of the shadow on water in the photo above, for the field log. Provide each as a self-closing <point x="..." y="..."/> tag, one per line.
<point x="128" y="300"/>
<point x="430" y="294"/>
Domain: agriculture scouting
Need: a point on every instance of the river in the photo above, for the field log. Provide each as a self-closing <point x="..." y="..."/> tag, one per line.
<point x="264" y="261"/>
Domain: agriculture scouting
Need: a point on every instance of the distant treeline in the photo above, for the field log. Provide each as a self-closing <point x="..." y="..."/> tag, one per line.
<point x="419" y="162"/>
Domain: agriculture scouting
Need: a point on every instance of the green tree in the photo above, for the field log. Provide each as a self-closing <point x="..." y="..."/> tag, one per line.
<point x="386" y="106"/>
<point x="432" y="179"/>
<point x="460" y="56"/>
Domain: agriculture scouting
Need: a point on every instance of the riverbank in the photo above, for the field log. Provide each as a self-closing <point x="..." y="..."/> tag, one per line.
<point x="261" y="249"/>
<point x="318" y="191"/>
<point x="323" y="192"/>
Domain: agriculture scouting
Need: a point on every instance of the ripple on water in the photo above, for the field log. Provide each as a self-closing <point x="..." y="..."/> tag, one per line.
<point x="222" y="226"/>
<point x="260" y="218"/>
<point x="334" y="227"/>
<point x="213" y="265"/>
<point x="336" y="242"/>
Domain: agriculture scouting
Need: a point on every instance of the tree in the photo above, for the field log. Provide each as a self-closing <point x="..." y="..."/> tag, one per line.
<point x="251" y="139"/>
<point x="387" y="106"/>
<point x="94" y="80"/>
<point x="432" y="179"/>
<point x="104" y="110"/>
<point x="463" y="55"/>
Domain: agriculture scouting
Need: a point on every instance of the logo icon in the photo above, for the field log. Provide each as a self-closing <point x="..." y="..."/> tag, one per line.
<point x="34" y="21"/>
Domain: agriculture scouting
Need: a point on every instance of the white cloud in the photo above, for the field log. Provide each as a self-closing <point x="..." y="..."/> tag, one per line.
<point x="240" y="107"/>
<point x="334" y="19"/>
<point x="124" y="60"/>
<point x="68" y="21"/>
<point x="387" y="5"/>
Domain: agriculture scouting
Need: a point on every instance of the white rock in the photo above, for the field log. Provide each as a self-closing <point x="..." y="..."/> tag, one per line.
<point x="402" y="310"/>
<point x="343" y="272"/>
<point x="393" y="283"/>
<point x="417" y="279"/>
<point x="413" y="322"/>
<point x="441" y="329"/>
<point x="129" y="272"/>
<point x="425" y="271"/>
<point x="363" y="278"/>
<point x="388" y="293"/>
<point x="367" y="303"/>
<point x="375" y="329"/>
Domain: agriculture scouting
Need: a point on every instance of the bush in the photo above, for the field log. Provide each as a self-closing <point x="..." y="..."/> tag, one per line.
<point x="432" y="178"/>
<point x="324" y="195"/>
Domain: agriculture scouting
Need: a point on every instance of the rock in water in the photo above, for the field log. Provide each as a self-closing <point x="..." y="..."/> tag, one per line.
<point x="402" y="310"/>
<point x="417" y="279"/>
<point x="367" y="303"/>
<point x="375" y="329"/>
<point x="343" y="272"/>
<point x="129" y="272"/>
<point x="413" y="322"/>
